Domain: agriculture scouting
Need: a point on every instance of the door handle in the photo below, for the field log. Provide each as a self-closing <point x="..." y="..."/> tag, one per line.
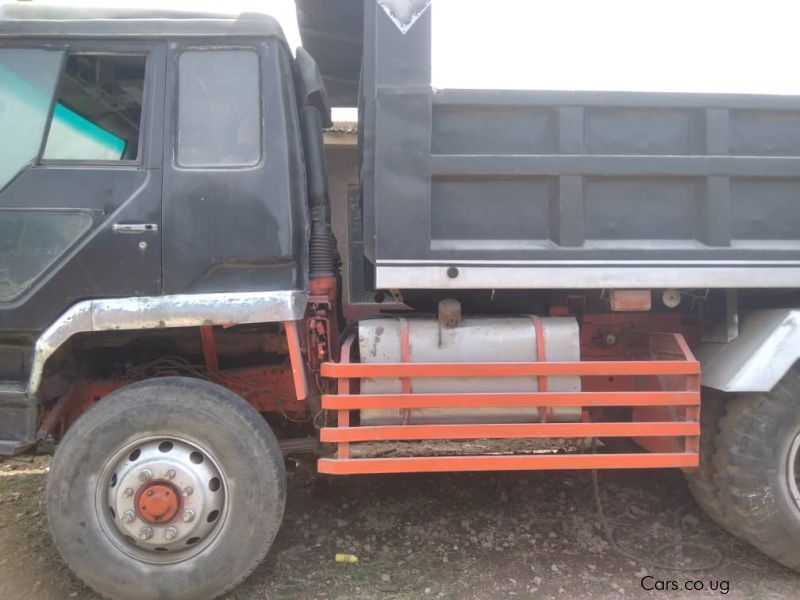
<point x="134" y="228"/>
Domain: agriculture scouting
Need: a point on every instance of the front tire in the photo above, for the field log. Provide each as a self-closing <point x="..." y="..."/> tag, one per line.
<point x="167" y="488"/>
<point x="757" y="460"/>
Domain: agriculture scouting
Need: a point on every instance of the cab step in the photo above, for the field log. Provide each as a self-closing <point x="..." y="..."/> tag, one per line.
<point x="13" y="394"/>
<point x="17" y="418"/>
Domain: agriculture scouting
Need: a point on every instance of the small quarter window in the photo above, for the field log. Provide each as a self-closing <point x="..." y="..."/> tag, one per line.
<point x="219" y="116"/>
<point x="98" y="112"/>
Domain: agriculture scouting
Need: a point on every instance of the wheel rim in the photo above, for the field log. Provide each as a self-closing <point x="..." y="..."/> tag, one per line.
<point x="162" y="499"/>
<point x="793" y="470"/>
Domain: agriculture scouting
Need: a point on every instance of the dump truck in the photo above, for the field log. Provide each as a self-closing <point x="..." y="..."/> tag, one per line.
<point x="534" y="281"/>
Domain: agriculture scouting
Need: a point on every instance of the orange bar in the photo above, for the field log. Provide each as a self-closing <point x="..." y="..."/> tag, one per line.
<point x="541" y="356"/>
<point x="505" y="431"/>
<point x="343" y="420"/>
<point x="680" y="341"/>
<point x="549" y="462"/>
<point x="343" y="416"/>
<point x="477" y="400"/>
<point x="296" y="360"/>
<point x="209" y="348"/>
<point x="605" y="367"/>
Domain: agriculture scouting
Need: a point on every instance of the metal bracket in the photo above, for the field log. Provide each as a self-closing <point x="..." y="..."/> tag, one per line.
<point x="726" y="330"/>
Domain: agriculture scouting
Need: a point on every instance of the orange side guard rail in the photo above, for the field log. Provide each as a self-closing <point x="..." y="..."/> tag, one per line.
<point x="665" y="406"/>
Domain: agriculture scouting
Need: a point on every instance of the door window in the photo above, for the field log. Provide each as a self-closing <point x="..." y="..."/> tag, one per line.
<point x="98" y="112"/>
<point x="219" y="116"/>
<point x="96" y="116"/>
<point x="27" y="80"/>
<point x="31" y="241"/>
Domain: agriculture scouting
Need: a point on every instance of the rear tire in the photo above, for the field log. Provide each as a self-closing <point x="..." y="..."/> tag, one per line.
<point x="152" y="437"/>
<point x="757" y="464"/>
<point x="703" y="481"/>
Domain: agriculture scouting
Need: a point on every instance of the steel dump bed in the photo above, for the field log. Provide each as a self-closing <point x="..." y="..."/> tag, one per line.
<point x="517" y="189"/>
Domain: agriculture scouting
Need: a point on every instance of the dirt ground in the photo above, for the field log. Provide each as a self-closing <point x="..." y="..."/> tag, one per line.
<point x="527" y="535"/>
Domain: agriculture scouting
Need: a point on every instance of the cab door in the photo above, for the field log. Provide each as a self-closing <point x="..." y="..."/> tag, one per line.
<point x="80" y="176"/>
<point x="234" y="196"/>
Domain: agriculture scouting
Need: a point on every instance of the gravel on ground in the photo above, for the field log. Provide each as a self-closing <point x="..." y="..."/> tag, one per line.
<point x="465" y="536"/>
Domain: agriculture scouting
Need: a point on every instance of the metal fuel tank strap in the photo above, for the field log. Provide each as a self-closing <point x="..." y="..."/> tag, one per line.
<point x="545" y="415"/>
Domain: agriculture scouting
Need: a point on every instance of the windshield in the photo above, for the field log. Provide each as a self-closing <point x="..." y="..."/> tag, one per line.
<point x="27" y="80"/>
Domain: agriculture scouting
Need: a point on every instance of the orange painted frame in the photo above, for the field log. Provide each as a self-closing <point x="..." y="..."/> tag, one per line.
<point x="554" y="369"/>
<point x="480" y="400"/>
<point x="686" y="397"/>
<point x="296" y="360"/>
<point x="442" y="464"/>
<point x="506" y="431"/>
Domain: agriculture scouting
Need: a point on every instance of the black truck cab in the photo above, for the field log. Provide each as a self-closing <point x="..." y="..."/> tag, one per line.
<point x="136" y="151"/>
<point x="147" y="155"/>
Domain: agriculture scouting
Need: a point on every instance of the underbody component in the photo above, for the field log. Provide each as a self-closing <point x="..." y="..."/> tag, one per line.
<point x="664" y="409"/>
<point x="268" y="389"/>
<point x="630" y="300"/>
<point x="503" y="339"/>
<point x="164" y="311"/>
<point x="19" y="402"/>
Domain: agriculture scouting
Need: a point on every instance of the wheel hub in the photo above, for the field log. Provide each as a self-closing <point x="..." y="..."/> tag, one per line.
<point x="163" y="496"/>
<point x="157" y="503"/>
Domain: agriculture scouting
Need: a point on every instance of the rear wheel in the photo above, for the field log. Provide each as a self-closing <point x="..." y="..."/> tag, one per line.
<point x="758" y="467"/>
<point x="703" y="481"/>
<point x="171" y="487"/>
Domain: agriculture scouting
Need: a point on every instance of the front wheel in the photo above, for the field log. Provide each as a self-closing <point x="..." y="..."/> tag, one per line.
<point x="167" y="488"/>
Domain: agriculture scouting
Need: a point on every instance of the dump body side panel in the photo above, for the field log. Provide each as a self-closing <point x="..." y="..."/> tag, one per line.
<point x="571" y="189"/>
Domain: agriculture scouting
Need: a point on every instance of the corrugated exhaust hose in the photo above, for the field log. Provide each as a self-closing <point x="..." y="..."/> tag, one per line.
<point x="321" y="252"/>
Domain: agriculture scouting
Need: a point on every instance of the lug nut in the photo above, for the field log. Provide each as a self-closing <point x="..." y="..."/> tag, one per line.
<point x="145" y="475"/>
<point x="128" y="516"/>
<point x="188" y="516"/>
<point x="170" y="474"/>
<point x="146" y="533"/>
<point x="170" y="533"/>
<point x="128" y="492"/>
<point x="187" y="491"/>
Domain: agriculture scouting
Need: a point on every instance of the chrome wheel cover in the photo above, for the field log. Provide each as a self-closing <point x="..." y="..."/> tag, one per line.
<point x="162" y="499"/>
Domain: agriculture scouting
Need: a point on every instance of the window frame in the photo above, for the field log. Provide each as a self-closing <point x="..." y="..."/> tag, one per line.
<point x="260" y="103"/>
<point x="103" y="49"/>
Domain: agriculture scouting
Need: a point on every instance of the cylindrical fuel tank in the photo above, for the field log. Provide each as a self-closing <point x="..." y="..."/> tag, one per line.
<point x="489" y="339"/>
